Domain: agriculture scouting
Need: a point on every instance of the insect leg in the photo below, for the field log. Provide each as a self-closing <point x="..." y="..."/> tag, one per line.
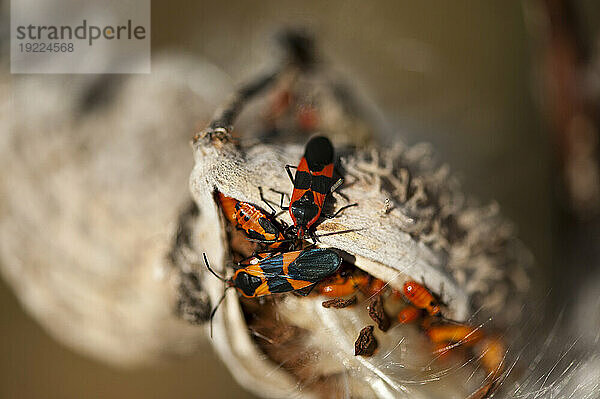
<point x="284" y="208"/>
<point x="305" y="291"/>
<point x="212" y="271"/>
<point x="340" y="211"/>
<point x="214" y="311"/>
<point x="314" y="237"/>
<point x="262" y="197"/>
<point x="287" y="169"/>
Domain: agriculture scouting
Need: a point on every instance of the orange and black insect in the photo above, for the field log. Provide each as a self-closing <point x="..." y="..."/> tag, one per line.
<point x="408" y="314"/>
<point x="493" y="353"/>
<point x="284" y="272"/>
<point x="312" y="182"/>
<point x="267" y="274"/>
<point x="421" y="298"/>
<point x="340" y="285"/>
<point x="255" y="222"/>
<point x="454" y="334"/>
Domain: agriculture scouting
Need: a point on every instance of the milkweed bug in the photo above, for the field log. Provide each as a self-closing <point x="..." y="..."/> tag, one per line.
<point x="408" y="314"/>
<point x="454" y="334"/>
<point x="339" y="285"/>
<point x="421" y="298"/>
<point x="300" y="55"/>
<point x="256" y="223"/>
<point x="267" y="274"/>
<point x="282" y="272"/>
<point x="376" y="286"/>
<point x="312" y="182"/>
<point x="493" y="352"/>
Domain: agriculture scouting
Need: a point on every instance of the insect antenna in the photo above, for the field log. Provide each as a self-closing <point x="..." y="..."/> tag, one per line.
<point x="212" y="271"/>
<point x="227" y="286"/>
<point x="214" y="311"/>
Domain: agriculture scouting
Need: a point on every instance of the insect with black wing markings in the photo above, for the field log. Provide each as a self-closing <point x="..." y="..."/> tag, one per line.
<point x="255" y="222"/>
<point x="267" y="274"/>
<point x="312" y="182"/>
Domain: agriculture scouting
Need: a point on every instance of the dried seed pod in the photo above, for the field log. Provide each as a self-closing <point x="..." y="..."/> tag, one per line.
<point x="409" y="219"/>
<point x="410" y="241"/>
<point x="89" y="212"/>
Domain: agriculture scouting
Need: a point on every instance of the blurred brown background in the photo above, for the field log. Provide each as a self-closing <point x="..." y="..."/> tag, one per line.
<point x="457" y="74"/>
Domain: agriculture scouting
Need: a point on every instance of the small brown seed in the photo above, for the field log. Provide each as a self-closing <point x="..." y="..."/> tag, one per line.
<point x="339" y="303"/>
<point x="377" y="313"/>
<point x="366" y="343"/>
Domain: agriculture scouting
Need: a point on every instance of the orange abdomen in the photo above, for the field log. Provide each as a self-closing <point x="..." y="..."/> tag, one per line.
<point x="376" y="286"/>
<point x="228" y="206"/>
<point x="408" y="314"/>
<point x="454" y="333"/>
<point x="342" y="286"/>
<point x="248" y="218"/>
<point x="492" y="356"/>
<point x="421" y="297"/>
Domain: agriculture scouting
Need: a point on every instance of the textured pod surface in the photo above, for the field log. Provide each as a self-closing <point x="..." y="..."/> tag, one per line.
<point x="93" y="177"/>
<point x="410" y="223"/>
